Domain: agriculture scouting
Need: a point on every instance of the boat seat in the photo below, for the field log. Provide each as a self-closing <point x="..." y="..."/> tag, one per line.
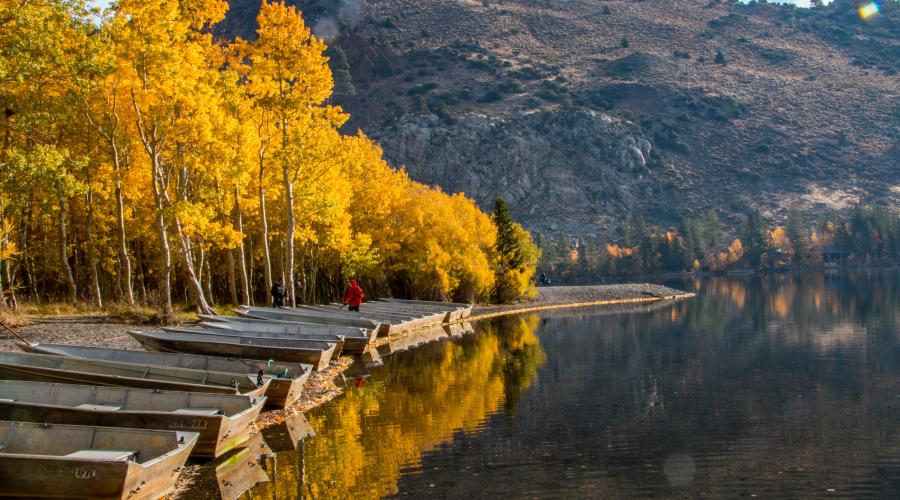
<point x="107" y="455"/>
<point x="91" y="406"/>
<point x="199" y="411"/>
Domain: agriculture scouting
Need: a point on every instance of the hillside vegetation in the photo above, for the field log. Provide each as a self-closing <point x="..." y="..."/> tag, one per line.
<point x="580" y="112"/>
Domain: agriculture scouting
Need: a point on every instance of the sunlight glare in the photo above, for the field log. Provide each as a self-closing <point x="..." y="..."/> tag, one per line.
<point x="869" y="10"/>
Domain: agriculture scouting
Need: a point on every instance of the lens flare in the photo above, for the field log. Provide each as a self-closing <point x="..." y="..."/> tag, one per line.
<point x="869" y="10"/>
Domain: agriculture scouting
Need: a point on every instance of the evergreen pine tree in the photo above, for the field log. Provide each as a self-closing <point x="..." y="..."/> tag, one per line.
<point x="511" y="256"/>
<point x="798" y="234"/>
<point x="340" y="70"/>
<point x="419" y="105"/>
<point x="509" y="252"/>
<point x="688" y="230"/>
<point x="753" y="238"/>
<point x="720" y="58"/>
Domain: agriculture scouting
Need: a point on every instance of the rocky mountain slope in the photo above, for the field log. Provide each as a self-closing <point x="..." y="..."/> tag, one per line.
<point x="579" y="111"/>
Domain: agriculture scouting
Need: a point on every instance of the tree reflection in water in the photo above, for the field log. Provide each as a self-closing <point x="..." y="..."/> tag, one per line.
<point x="778" y="386"/>
<point x="417" y="402"/>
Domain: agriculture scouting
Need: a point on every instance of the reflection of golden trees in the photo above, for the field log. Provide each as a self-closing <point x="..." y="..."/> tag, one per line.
<point x="522" y="355"/>
<point x="804" y="308"/>
<point x="288" y="479"/>
<point x="781" y="301"/>
<point x="781" y="292"/>
<point x="734" y="290"/>
<point x="368" y="437"/>
<point x="724" y="378"/>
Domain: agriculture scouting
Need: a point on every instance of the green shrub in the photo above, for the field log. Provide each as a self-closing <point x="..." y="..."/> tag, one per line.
<point x="492" y="95"/>
<point x="720" y="58"/>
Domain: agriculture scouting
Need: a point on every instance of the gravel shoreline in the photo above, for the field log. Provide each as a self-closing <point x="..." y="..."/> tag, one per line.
<point x="562" y="295"/>
<point x="109" y="332"/>
<point x="83" y="330"/>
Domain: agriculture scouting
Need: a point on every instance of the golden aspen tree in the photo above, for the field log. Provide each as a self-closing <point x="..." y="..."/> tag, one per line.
<point x="43" y="53"/>
<point x="103" y="109"/>
<point x="258" y="113"/>
<point x="290" y="80"/>
<point x="125" y="142"/>
<point x="238" y="150"/>
<point x="168" y="58"/>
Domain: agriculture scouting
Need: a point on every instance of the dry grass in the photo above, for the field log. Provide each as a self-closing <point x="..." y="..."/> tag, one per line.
<point x="112" y="311"/>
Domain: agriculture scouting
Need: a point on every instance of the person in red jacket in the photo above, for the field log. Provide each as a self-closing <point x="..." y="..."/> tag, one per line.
<point x="354" y="296"/>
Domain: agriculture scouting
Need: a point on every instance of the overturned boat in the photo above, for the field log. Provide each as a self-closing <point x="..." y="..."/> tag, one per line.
<point x="293" y="326"/>
<point x="73" y="461"/>
<point x="222" y="421"/>
<point x="452" y="312"/>
<point x="393" y="315"/>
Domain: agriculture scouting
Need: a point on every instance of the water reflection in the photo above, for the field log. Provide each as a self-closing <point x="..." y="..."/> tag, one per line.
<point x="776" y="386"/>
<point x="231" y="475"/>
<point x="288" y="432"/>
<point x="417" y="403"/>
<point x="289" y="477"/>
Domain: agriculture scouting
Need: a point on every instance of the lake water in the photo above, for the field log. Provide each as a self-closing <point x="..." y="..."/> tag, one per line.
<point x="775" y="386"/>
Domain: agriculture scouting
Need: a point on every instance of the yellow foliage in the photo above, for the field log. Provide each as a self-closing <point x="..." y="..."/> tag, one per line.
<point x="780" y="239"/>
<point x="163" y="138"/>
<point x="7" y="248"/>
<point x="197" y="222"/>
<point x="617" y="252"/>
<point x="366" y="439"/>
<point x="735" y="251"/>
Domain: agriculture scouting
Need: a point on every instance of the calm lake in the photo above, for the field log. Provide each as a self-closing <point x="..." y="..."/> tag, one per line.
<point x="774" y="386"/>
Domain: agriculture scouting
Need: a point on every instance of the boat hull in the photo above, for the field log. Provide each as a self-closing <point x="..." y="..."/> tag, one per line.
<point x="319" y="359"/>
<point x="43" y="476"/>
<point x="40" y="374"/>
<point x="216" y="434"/>
<point x="281" y="392"/>
<point x="351" y="345"/>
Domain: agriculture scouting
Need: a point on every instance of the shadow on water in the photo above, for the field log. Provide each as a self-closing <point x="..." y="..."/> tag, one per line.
<point x="774" y="386"/>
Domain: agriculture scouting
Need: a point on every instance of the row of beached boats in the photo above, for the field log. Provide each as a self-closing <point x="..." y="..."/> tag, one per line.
<point x="96" y="422"/>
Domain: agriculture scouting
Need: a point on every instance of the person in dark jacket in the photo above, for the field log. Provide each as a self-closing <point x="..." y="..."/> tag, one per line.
<point x="279" y="292"/>
<point x="354" y="296"/>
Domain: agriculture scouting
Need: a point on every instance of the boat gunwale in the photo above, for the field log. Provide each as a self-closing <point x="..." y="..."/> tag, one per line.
<point x="189" y="442"/>
<point x="156" y="344"/>
<point x="100" y="362"/>
<point x="304" y="367"/>
<point x="217" y="325"/>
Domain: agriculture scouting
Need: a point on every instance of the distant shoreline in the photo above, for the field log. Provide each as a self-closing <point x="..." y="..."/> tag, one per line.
<point x="562" y="297"/>
<point x="627" y="279"/>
